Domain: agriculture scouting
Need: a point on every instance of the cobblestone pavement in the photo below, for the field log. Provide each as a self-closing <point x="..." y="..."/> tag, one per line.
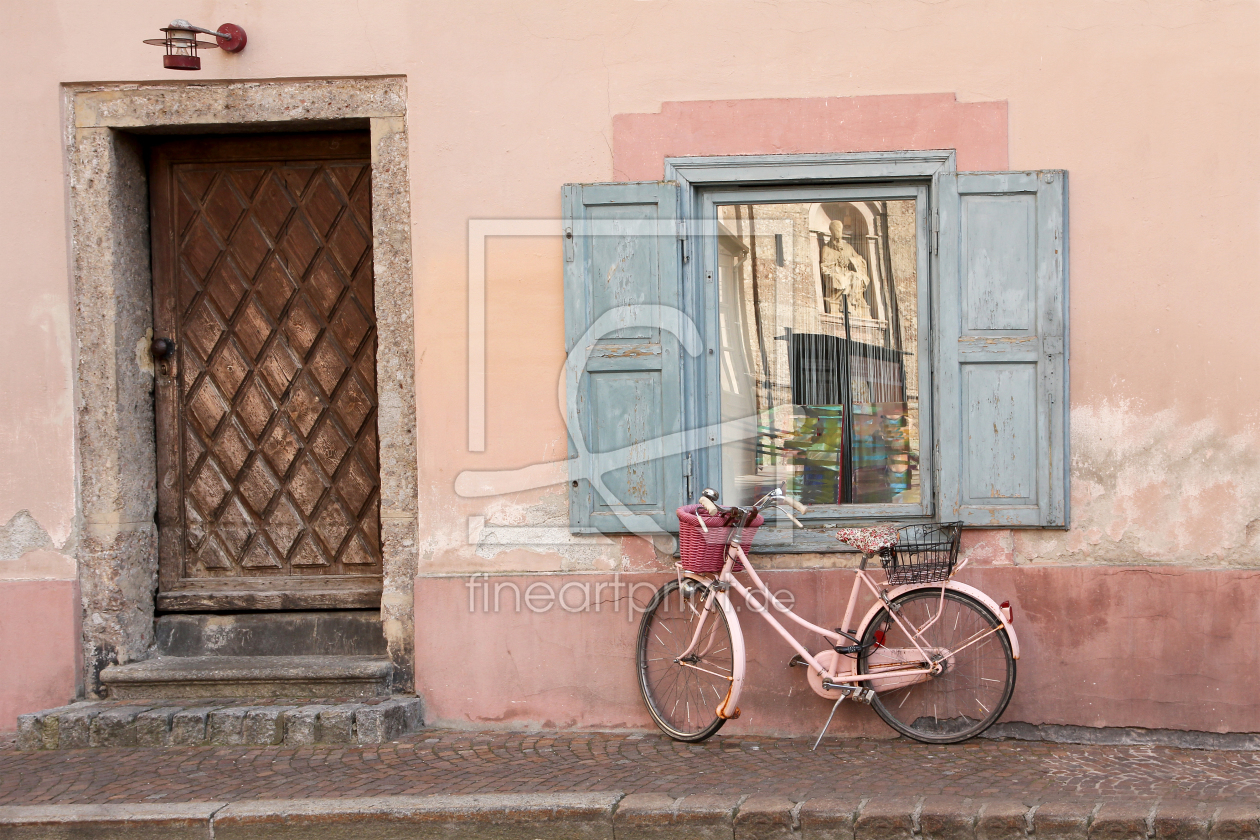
<point x="447" y="761"/>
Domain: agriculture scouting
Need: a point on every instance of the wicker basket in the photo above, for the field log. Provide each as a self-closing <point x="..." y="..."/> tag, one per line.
<point x="706" y="553"/>
<point x="923" y="553"/>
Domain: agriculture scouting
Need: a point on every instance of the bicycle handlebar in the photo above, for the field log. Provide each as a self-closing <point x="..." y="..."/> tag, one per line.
<point x="776" y="498"/>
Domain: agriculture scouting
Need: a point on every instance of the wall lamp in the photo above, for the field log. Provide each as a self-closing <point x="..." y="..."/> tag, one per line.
<point x="181" y="43"/>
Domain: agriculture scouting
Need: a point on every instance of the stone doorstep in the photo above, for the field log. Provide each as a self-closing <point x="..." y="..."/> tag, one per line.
<point x="648" y="816"/>
<point x="230" y="722"/>
<point x="310" y="677"/>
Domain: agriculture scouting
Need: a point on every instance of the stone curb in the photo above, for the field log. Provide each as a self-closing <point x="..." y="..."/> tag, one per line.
<point x="652" y="816"/>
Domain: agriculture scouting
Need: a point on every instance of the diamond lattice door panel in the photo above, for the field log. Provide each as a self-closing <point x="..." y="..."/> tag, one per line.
<point x="268" y="482"/>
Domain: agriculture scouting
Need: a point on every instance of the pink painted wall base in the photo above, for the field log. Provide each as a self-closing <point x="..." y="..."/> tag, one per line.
<point x="1097" y="650"/>
<point x="39" y="660"/>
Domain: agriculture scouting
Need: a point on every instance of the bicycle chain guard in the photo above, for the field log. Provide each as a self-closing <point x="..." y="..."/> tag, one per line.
<point x="826" y="658"/>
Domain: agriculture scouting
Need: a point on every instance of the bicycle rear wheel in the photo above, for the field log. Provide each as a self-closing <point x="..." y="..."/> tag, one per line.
<point x="684" y="696"/>
<point x="966" y="640"/>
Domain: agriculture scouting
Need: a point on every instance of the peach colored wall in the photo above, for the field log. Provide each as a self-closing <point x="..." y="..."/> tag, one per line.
<point x="39" y="646"/>
<point x="1166" y="464"/>
<point x="1103" y="647"/>
<point x="1154" y="108"/>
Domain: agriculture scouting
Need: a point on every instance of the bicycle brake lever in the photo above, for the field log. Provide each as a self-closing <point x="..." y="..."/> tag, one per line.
<point x="789" y="515"/>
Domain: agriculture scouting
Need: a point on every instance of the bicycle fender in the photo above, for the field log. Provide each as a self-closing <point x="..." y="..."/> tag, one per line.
<point x="970" y="591"/>
<point x="730" y="706"/>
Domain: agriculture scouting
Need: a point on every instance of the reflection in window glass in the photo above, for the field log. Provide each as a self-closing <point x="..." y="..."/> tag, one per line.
<point x="818" y="313"/>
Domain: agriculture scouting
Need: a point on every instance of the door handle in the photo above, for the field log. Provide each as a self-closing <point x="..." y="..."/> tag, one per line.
<point x="162" y="348"/>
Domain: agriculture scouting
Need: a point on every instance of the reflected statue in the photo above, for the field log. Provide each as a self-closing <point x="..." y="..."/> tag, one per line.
<point x="843" y="273"/>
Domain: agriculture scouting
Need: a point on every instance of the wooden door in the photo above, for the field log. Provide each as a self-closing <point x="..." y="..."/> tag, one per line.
<point x="268" y="482"/>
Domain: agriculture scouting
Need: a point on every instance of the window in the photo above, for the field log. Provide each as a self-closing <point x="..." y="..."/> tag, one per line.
<point x="818" y="333"/>
<point x="882" y="335"/>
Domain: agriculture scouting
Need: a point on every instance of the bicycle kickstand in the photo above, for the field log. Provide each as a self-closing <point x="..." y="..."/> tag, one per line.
<point x="839" y="700"/>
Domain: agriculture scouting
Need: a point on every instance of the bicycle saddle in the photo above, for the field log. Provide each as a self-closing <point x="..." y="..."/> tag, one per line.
<point x="869" y="540"/>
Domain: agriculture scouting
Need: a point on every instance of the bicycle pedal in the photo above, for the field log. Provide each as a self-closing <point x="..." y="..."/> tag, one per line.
<point x="797" y="660"/>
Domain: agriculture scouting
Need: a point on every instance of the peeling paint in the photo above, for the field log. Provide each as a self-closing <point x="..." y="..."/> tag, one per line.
<point x="22" y="534"/>
<point x="515" y="534"/>
<point x="144" y="356"/>
<point x="543" y="528"/>
<point x="1151" y="488"/>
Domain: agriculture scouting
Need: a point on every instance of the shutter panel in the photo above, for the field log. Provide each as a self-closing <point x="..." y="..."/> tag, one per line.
<point x="1001" y="335"/>
<point x="622" y="278"/>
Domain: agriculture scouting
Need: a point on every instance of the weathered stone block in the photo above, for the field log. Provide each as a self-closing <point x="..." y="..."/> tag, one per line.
<point x="414" y="709"/>
<point x="188" y="726"/>
<point x="50" y="729"/>
<point x="322" y="633"/>
<point x="947" y="818"/>
<point x="73" y="728"/>
<point x="702" y="817"/>
<point x="264" y="725"/>
<point x="764" y="818"/>
<point x="1121" y="820"/>
<point x="131" y="821"/>
<point x="30" y="732"/>
<point x="336" y="724"/>
<point x="226" y="726"/>
<point x="1236" y="821"/>
<point x="153" y="728"/>
<point x="1062" y="820"/>
<point x="114" y="727"/>
<point x="644" y="816"/>
<point x="301" y="725"/>
<point x="1182" y="820"/>
<point x="886" y="818"/>
<point x="380" y="723"/>
<point x="827" y="819"/>
<point x="1002" y="819"/>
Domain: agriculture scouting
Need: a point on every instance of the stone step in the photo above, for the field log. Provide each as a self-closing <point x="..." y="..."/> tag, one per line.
<point x="249" y="676"/>
<point x="326" y="633"/>
<point x="223" y="722"/>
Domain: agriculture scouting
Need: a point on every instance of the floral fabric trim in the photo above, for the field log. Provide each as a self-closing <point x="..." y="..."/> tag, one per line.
<point x="869" y="540"/>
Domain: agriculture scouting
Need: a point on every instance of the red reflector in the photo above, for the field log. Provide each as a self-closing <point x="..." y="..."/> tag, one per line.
<point x="1007" y="612"/>
<point x="879" y="637"/>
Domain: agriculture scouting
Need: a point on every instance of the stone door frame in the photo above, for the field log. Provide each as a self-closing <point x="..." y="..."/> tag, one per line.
<point x="107" y="198"/>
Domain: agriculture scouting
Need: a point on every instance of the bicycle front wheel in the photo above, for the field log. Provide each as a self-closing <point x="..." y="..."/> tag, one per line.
<point x="684" y="693"/>
<point x="968" y="645"/>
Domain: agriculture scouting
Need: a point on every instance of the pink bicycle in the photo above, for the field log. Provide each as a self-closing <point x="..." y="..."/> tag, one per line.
<point x="934" y="657"/>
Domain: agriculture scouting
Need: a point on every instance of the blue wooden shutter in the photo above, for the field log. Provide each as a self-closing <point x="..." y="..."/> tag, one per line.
<point x="1001" y="339"/>
<point x="622" y="288"/>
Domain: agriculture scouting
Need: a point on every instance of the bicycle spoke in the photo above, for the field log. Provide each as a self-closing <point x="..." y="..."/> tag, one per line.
<point x="970" y="648"/>
<point x="684" y="695"/>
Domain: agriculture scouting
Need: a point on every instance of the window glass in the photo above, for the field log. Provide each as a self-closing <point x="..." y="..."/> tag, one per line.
<point x="819" y="328"/>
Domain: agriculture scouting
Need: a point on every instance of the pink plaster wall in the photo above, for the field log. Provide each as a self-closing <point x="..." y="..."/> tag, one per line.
<point x="507" y="101"/>
<point x="1103" y="647"/>
<point x="39" y="646"/>
<point x="977" y="130"/>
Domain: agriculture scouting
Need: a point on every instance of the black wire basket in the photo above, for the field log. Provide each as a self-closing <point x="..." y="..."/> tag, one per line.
<point x="923" y="553"/>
